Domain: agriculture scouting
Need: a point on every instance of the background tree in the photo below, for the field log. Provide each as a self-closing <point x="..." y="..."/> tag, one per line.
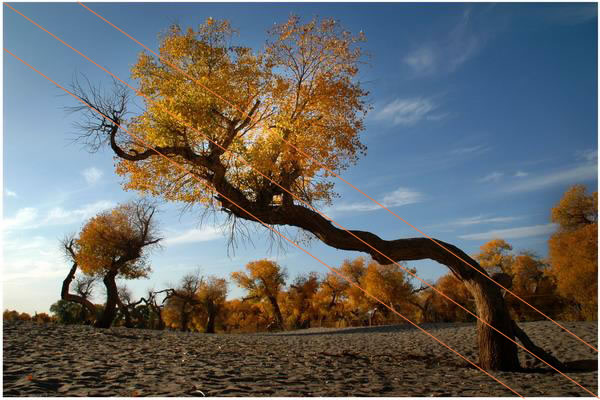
<point x="211" y="295"/>
<point x="329" y="299"/>
<point x="495" y="256"/>
<point x="115" y="244"/>
<point x="532" y="282"/>
<point x="298" y="305"/>
<point x="389" y="284"/>
<point x="182" y="303"/>
<point x="302" y="88"/>
<point x="573" y="249"/>
<point x="67" y="312"/>
<point x="263" y="280"/>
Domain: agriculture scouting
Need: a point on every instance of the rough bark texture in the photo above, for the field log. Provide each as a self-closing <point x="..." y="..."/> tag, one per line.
<point x="112" y="299"/>
<point x="65" y="295"/>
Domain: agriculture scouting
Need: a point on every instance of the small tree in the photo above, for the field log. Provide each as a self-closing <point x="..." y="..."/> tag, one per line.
<point x="211" y="296"/>
<point x="67" y="312"/>
<point x="299" y="306"/>
<point x="115" y="244"/>
<point x="182" y="303"/>
<point x="264" y="280"/>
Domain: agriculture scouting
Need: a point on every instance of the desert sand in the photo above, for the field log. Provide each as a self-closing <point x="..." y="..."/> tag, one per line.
<point x="55" y="360"/>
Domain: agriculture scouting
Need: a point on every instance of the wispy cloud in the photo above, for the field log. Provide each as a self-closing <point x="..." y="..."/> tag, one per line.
<point x="492" y="177"/>
<point x="422" y="60"/>
<point x="407" y="111"/>
<point x="479" y="149"/>
<point x="481" y="219"/>
<point x="521" y="174"/>
<point x="194" y="235"/>
<point x="470" y="221"/>
<point x="567" y="176"/>
<point x="447" y="54"/>
<point x="397" y="198"/>
<point x="28" y="218"/>
<point x="10" y="193"/>
<point x="92" y="175"/>
<point x="512" y="233"/>
<point x="23" y="218"/>
<point x="32" y="258"/>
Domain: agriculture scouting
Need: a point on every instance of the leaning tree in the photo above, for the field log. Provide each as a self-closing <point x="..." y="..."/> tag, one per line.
<point x="113" y="244"/>
<point x="303" y="110"/>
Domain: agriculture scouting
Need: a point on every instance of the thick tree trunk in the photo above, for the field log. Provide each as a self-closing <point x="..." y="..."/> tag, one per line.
<point x="184" y="320"/>
<point x="496" y="352"/>
<point x="112" y="297"/>
<point x="277" y="312"/>
<point x="65" y="295"/>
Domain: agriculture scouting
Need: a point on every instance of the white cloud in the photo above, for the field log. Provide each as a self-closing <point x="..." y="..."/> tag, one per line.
<point x="27" y="218"/>
<point x="569" y="176"/>
<point x="32" y="258"/>
<point x="480" y="219"/>
<point x="422" y="60"/>
<point x="470" y="150"/>
<point x="204" y="234"/>
<point x="92" y="175"/>
<point x="493" y="177"/>
<point x="24" y="218"/>
<point x="10" y="193"/>
<point x="397" y="198"/>
<point x="512" y="233"/>
<point x="521" y="174"/>
<point x="406" y="111"/>
<point x="59" y="215"/>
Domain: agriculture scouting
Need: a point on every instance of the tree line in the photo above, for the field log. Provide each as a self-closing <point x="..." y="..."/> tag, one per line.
<point x="563" y="286"/>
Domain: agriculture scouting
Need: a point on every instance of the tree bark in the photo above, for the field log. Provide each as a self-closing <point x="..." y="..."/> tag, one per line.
<point x="65" y="295"/>
<point x="210" y="323"/>
<point x="277" y="312"/>
<point x="125" y="311"/>
<point x="112" y="298"/>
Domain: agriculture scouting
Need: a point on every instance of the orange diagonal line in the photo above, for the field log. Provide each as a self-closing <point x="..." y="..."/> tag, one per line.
<point x="309" y="205"/>
<point x="333" y="173"/>
<point x="187" y="171"/>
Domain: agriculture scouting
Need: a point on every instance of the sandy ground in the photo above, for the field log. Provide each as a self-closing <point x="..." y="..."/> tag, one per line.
<point x="56" y="360"/>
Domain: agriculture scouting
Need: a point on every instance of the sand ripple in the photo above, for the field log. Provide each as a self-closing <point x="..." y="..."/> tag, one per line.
<point x="55" y="360"/>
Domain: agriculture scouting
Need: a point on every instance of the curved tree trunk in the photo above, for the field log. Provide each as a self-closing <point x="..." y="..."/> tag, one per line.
<point x="112" y="298"/>
<point x="495" y="351"/>
<point x="65" y="295"/>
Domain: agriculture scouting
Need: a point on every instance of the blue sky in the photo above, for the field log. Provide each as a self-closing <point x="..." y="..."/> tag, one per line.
<point x="483" y="116"/>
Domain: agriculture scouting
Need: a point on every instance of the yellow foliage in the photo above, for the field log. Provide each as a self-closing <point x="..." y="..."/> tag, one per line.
<point x="495" y="257"/>
<point x="573" y="249"/>
<point x="300" y="87"/>
<point x="113" y="240"/>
